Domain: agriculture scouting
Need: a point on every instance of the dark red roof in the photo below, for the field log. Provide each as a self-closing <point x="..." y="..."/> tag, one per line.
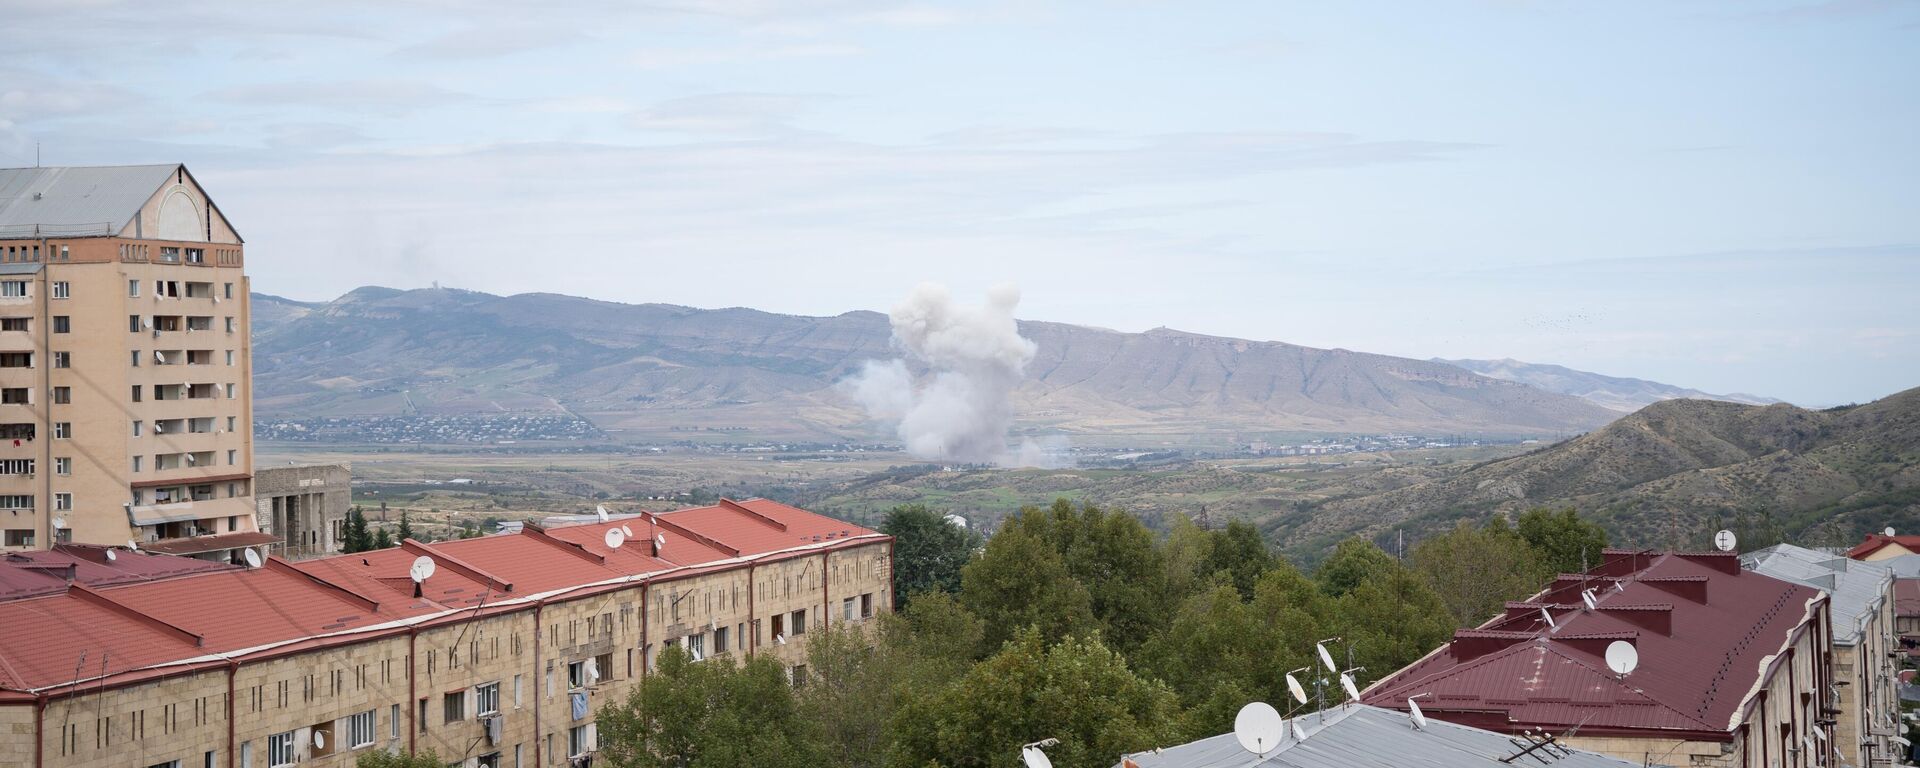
<point x="201" y="544"/>
<point x="1705" y="630"/>
<point x="1875" y="541"/>
<point x="187" y="612"/>
<point x="45" y="572"/>
<point x="1906" y="597"/>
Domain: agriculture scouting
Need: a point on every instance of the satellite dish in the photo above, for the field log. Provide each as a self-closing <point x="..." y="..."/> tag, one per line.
<point x="1549" y="617"/>
<point x="1619" y="586"/>
<point x="1725" y="541"/>
<point x="1818" y="732"/>
<point x="59" y="522"/>
<point x="1034" y="758"/>
<point x="1259" y="728"/>
<point x="1901" y="740"/>
<point x="1298" y="735"/>
<point x="956" y="521"/>
<point x="319" y="737"/>
<point x="1888" y="531"/>
<point x="779" y="639"/>
<point x="659" y="541"/>
<point x="600" y="510"/>
<point x="1326" y="658"/>
<point x="1346" y="683"/>
<point x="112" y="557"/>
<point x="1622" y="657"/>
<point x="614" y="538"/>
<point x="133" y="545"/>
<point x="1293" y="687"/>
<point x="1586" y="596"/>
<point x="1419" y="718"/>
<point x="252" y="557"/>
<point x="593" y="671"/>
<point x="421" y="570"/>
<point x="626" y="531"/>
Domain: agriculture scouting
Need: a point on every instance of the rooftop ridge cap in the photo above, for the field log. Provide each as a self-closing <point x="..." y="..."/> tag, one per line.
<point x="699" y="537"/>
<point x="1621" y="682"/>
<point x="339" y="590"/>
<point x="726" y="503"/>
<point x="539" y="533"/>
<point x="82" y="593"/>
<point x="461" y="566"/>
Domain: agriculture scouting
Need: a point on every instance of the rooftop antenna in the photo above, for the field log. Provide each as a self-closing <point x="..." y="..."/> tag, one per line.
<point x="1542" y="747"/>
<point x="420" y="571"/>
<point x="1346" y="683"/>
<point x="600" y="511"/>
<point x="614" y="538"/>
<point x="1725" y="541"/>
<point x="1622" y="658"/>
<point x="1293" y="686"/>
<point x="1033" y="757"/>
<point x="1413" y="711"/>
<point x="1327" y="658"/>
<point x="1548" y="615"/>
<point x="1888" y="531"/>
<point x="1259" y="728"/>
<point x="111" y="556"/>
<point x="1586" y="596"/>
<point x="251" y="556"/>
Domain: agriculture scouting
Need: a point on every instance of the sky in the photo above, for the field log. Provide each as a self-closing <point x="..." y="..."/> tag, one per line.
<point x="1722" y="195"/>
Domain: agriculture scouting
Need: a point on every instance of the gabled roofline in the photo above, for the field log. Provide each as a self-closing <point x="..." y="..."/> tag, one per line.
<point x="339" y="590"/>
<point x="539" y="533"/>
<point x="735" y="506"/>
<point x="166" y="628"/>
<point x="462" y="567"/>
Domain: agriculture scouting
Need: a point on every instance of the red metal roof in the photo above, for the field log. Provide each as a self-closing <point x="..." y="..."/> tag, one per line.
<point x="1875" y="541"/>
<point x="1906" y="597"/>
<point x="202" y="544"/>
<point x="1706" y="631"/>
<point x="150" y="613"/>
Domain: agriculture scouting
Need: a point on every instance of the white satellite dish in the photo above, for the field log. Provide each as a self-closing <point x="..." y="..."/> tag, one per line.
<point x="111" y="556"/>
<point x="1622" y="657"/>
<point x="1419" y="718"/>
<point x="59" y="522"/>
<point x="600" y="511"/>
<point x="1259" y="728"/>
<point x="1586" y="596"/>
<point x="319" y="740"/>
<point x="251" y="556"/>
<point x="1298" y="735"/>
<point x="1619" y="586"/>
<point x="1901" y="740"/>
<point x="593" y="671"/>
<point x="1346" y="684"/>
<point x="421" y="570"/>
<point x="615" y="538"/>
<point x="1293" y="687"/>
<point x="1818" y="732"/>
<point x="1545" y="614"/>
<point x="133" y="545"/>
<point x="659" y="541"/>
<point x="1034" y="758"/>
<point x="779" y="639"/>
<point x="628" y="532"/>
<point x="1888" y="531"/>
<point x="1725" y="541"/>
<point x="1326" y="658"/>
<point x="956" y="521"/>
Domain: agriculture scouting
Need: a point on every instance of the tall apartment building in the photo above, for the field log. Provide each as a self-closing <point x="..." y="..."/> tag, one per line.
<point x="125" y="410"/>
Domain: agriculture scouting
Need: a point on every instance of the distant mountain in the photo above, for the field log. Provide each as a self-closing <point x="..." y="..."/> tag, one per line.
<point x="1675" y="469"/>
<point x="653" y="369"/>
<point x="1620" y="394"/>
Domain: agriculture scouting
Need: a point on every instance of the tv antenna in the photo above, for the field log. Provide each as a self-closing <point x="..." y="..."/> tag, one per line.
<point x="1725" y="541"/>
<point x="1259" y="728"/>
<point x="1033" y="757"/>
<point x="1622" y="658"/>
<point x="1542" y="747"/>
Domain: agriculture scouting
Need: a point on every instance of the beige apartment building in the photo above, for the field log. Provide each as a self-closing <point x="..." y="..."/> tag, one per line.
<point x="125" y="403"/>
<point x="503" y="657"/>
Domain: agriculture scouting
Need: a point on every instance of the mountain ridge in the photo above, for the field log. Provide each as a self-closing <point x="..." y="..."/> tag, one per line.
<point x="1619" y="393"/>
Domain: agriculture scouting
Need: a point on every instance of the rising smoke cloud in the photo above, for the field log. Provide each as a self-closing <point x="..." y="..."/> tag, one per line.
<point x="961" y="409"/>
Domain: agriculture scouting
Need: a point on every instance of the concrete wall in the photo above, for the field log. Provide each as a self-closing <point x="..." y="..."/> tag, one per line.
<point x="319" y="495"/>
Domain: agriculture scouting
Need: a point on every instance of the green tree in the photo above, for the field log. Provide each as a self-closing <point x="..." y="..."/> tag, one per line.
<point x="1020" y="581"/>
<point x="1352" y="562"/>
<point x="380" y="758"/>
<point x="382" y="539"/>
<point x="406" y="527"/>
<point x="849" y="693"/>
<point x="1077" y="691"/>
<point x="928" y="551"/>
<point x="1476" y="571"/>
<point x="1241" y="553"/>
<point x="708" y="715"/>
<point x="355" y="537"/>
<point x="1567" y="543"/>
<point x="1390" y="620"/>
<point x="1114" y="557"/>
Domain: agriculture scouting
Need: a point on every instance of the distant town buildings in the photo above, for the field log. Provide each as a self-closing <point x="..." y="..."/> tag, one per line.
<point x="125" y="404"/>
<point x="500" y="656"/>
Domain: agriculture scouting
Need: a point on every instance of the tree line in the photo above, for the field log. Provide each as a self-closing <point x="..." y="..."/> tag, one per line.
<point x="1080" y="624"/>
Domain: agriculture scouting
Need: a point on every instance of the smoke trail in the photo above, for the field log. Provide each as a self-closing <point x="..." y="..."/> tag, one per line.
<point x="962" y="408"/>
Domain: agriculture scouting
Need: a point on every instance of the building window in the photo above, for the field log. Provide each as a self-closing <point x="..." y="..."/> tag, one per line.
<point x="22" y="324"/>
<point x="233" y="457"/>
<point x="576" y="674"/>
<point x="63" y="465"/>
<point x="133" y="324"/>
<point x="16" y="466"/>
<point x="579" y="740"/>
<point x="798" y="675"/>
<point x="229" y="325"/>
<point x="697" y="646"/>
<point x="19" y="537"/>
<point x="361" y="729"/>
<point x="231" y="389"/>
<point x="15" y="396"/>
<point x="136" y="429"/>
<point x="720" y="639"/>
<point x="280" y="749"/>
<point x="136" y="462"/>
<point x="488" y="698"/>
<point x="63" y="502"/>
<point x="229" y="290"/>
<point x="63" y="359"/>
<point x="866" y="606"/>
<point x="13" y="289"/>
<point x="230" y="423"/>
<point x="62" y="430"/>
<point x="60" y="290"/>
<point x="196" y="256"/>
<point x="62" y="324"/>
<point x="136" y="358"/>
<point x="136" y="393"/>
<point x="16" y="501"/>
<point x="453" y="707"/>
<point x="229" y="357"/>
<point x="846" y="609"/>
<point x="393" y="715"/>
<point x="62" y="395"/>
<point x="800" y="622"/>
<point x="422" y="719"/>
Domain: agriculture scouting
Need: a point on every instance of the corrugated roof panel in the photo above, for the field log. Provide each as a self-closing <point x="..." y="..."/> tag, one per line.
<point x="1857" y="588"/>
<point x="75" y="202"/>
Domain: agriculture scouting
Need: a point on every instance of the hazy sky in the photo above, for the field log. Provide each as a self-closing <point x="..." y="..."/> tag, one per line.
<point x="1714" y="194"/>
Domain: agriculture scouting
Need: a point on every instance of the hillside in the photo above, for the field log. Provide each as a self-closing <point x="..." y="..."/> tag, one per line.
<point x="653" y="369"/>
<point x="1618" y="393"/>
<point x="1674" y="470"/>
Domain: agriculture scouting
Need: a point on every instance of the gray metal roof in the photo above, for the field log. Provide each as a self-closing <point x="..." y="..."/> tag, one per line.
<point x="1904" y="566"/>
<point x="77" y="201"/>
<point x="1362" y="736"/>
<point x="1855" y="589"/>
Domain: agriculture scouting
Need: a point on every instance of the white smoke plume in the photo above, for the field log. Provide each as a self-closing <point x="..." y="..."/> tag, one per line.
<point x="961" y="409"/>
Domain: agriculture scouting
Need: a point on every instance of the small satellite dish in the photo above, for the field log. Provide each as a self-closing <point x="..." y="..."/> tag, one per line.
<point x="1725" y="541"/>
<point x="251" y="556"/>
<point x="779" y="639"/>
<point x="59" y="522"/>
<point x="614" y="538"/>
<point x="600" y="510"/>
<point x="1034" y="758"/>
<point x="1259" y="728"/>
<point x="1326" y="658"/>
<point x="593" y="671"/>
<point x="1293" y="687"/>
<point x="111" y="556"/>
<point x="1622" y="657"/>
<point x="1888" y="531"/>
<point x="421" y="570"/>
<point x="1817" y="731"/>
<point x="1545" y="614"/>
<point x="1419" y="718"/>
<point x="319" y="740"/>
<point x="133" y="545"/>
<point x="1619" y="586"/>
<point x="1346" y="684"/>
<point x="1586" y="596"/>
<point x="1901" y="740"/>
<point x="956" y="521"/>
<point x="1298" y="734"/>
<point x="628" y="532"/>
<point x="659" y="541"/>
